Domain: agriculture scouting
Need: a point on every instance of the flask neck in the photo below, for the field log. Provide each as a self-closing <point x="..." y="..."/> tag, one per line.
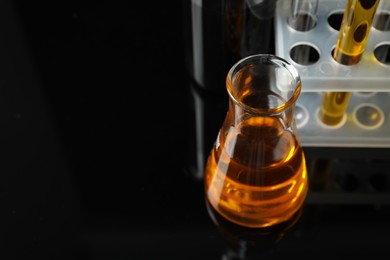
<point x="263" y="87"/>
<point x="239" y="114"/>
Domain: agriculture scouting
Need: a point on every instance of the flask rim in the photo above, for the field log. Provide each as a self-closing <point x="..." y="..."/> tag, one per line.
<point x="270" y="59"/>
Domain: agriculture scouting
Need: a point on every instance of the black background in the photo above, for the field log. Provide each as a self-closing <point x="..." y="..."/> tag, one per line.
<point x="97" y="129"/>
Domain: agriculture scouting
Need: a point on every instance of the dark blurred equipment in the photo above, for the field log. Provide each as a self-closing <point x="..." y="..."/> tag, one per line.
<point x="219" y="33"/>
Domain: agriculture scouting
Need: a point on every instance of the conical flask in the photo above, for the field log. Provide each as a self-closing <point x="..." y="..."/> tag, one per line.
<point x="256" y="174"/>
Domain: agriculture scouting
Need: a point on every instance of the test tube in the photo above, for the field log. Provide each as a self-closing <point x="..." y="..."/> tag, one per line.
<point x="382" y="23"/>
<point x="353" y="36"/>
<point x="303" y="14"/>
<point x="303" y="17"/>
<point x="382" y="18"/>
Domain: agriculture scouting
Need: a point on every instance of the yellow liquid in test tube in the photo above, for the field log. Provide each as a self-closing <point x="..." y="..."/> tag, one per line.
<point x="353" y="36"/>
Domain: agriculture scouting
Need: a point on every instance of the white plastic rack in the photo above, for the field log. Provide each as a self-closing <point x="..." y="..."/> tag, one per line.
<point x="367" y="119"/>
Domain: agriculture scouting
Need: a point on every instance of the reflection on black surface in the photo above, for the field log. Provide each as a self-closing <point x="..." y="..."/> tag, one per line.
<point x="250" y="243"/>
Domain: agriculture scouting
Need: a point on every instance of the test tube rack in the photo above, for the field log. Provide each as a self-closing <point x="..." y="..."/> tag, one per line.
<point x="367" y="119"/>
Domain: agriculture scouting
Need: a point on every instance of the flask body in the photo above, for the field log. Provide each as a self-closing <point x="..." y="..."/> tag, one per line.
<point x="256" y="173"/>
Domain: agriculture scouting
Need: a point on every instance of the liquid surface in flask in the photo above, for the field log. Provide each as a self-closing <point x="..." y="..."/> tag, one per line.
<point x="252" y="192"/>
